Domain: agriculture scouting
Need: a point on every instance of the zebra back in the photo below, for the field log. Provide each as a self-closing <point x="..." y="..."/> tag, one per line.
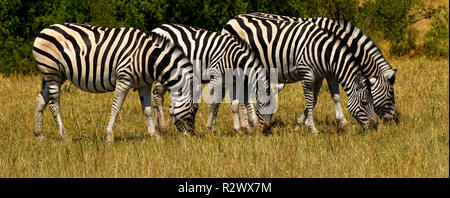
<point x="365" y="50"/>
<point x="88" y="56"/>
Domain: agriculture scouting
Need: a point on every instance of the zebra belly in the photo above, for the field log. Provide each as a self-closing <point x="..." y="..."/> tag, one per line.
<point x="98" y="86"/>
<point x="294" y="74"/>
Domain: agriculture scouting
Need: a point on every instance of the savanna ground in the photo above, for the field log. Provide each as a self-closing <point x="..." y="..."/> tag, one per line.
<point x="416" y="147"/>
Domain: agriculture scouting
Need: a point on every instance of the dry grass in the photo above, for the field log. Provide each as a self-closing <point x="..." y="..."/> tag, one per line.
<point x="417" y="147"/>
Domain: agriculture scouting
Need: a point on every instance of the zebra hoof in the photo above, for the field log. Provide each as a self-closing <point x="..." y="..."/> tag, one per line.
<point x="301" y="120"/>
<point x="63" y="135"/>
<point x="157" y="138"/>
<point x="211" y="130"/>
<point x="314" y="131"/>
<point x="343" y="123"/>
<point x="163" y="130"/>
<point x="238" y="131"/>
<point x="40" y="137"/>
<point x="249" y="130"/>
<point x="109" y="138"/>
<point x="255" y="124"/>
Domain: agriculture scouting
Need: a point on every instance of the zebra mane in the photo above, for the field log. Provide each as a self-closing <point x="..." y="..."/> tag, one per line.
<point x="166" y="45"/>
<point x="160" y="40"/>
<point x="241" y="42"/>
<point x="344" y="23"/>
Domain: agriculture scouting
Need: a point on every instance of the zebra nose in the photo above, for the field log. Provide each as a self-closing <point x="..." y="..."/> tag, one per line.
<point x="266" y="128"/>
<point x="373" y="125"/>
<point x="396" y="117"/>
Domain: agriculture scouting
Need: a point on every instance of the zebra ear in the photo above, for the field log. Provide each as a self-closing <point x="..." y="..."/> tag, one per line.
<point x="359" y="80"/>
<point x="390" y="75"/>
<point x="372" y="80"/>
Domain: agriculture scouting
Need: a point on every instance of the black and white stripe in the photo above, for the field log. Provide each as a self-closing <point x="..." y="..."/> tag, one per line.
<point x="304" y="52"/>
<point x="215" y="56"/>
<point x="97" y="60"/>
<point x="367" y="54"/>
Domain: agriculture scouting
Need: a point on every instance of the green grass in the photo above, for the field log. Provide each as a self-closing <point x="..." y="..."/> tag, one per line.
<point x="416" y="147"/>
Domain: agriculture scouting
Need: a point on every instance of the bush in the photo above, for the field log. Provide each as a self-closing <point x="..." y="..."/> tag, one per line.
<point x="437" y="38"/>
<point x="21" y="21"/>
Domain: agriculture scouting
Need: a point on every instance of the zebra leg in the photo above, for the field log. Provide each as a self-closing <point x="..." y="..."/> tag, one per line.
<point x="211" y="123"/>
<point x="122" y="88"/>
<point x="144" y="95"/>
<point x="243" y="113"/>
<point x="301" y="119"/>
<point x="157" y="106"/>
<point x="334" y="90"/>
<point x="214" y="104"/>
<point x="253" y="117"/>
<point x="244" y="117"/>
<point x="309" y="90"/>
<point x="238" y="109"/>
<point x="42" y="100"/>
<point x="236" y="119"/>
<point x="54" y="89"/>
<point x="317" y="86"/>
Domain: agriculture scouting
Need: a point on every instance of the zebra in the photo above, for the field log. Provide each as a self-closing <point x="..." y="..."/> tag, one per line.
<point x="375" y="66"/>
<point x="304" y="52"/>
<point x="99" y="60"/>
<point x="218" y="53"/>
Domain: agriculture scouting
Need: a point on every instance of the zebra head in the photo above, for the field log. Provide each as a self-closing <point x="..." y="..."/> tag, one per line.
<point x="184" y="121"/>
<point x="175" y="72"/>
<point x="360" y="103"/>
<point x="183" y="109"/>
<point x="266" y="106"/>
<point x="382" y="89"/>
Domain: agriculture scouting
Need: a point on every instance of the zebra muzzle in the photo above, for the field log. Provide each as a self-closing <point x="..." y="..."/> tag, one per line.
<point x="372" y="125"/>
<point x="266" y="128"/>
<point x="396" y="117"/>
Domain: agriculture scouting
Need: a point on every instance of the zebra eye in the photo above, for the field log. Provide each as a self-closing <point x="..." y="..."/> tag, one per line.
<point x="364" y="102"/>
<point x="179" y="92"/>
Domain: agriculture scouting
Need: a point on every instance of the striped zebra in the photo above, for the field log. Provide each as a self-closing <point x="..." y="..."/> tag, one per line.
<point x="304" y="52"/>
<point x="374" y="65"/>
<point x="216" y="55"/>
<point x="98" y="60"/>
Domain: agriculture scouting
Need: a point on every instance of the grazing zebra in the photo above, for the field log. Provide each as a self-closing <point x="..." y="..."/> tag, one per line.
<point x="99" y="60"/>
<point x="304" y="52"/>
<point x="381" y="74"/>
<point x="216" y="54"/>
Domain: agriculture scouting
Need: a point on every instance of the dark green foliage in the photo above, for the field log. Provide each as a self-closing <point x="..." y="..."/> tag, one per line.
<point x="21" y="21"/>
<point x="392" y="20"/>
